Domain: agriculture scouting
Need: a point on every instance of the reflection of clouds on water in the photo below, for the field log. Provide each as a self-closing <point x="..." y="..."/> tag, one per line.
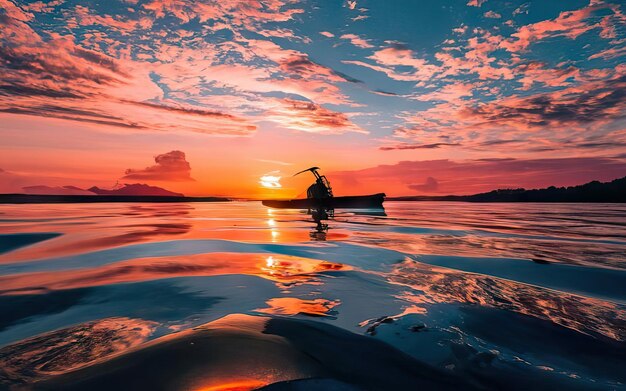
<point x="295" y="306"/>
<point x="284" y="270"/>
<point x="246" y="352"/>
<point x="442" y="285"/>
<point x="583" y="253"/>
<point x="68" y="349"/>
<point x="116" y="225"/>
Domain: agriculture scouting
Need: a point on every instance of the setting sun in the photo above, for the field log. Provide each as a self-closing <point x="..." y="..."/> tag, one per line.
<point x="270" y="181"/>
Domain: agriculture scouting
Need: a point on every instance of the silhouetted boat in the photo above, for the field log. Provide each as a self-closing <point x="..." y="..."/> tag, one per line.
<point x="373" y="201"/>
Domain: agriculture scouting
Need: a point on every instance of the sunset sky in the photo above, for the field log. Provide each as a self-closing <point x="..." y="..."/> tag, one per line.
<point x="404" y="97"/>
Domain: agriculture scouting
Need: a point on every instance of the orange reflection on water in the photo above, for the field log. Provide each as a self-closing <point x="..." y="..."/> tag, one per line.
<point x="283" y="269"/>
<point x="85" y="228"/>
<point x="231" y="353"/>
<point x="237" y="385"/>
<point x="441" y="285"/>
<point x="295" y="306"/>
<point x="68" y="349"/>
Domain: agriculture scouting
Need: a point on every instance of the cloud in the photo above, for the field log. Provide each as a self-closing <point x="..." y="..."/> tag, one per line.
<point x="169" y="84"/>
<point x="171" y="166"/>
<point x="53" y="76"/>
<point x="569" y="24"/>
<point x="416" y="146"/>
<point x="357" y="41"/>
<point x="399" y="55"/>
<point x="277" y="162"/>
<point x="311" y="117"/>
<point x="476" y="3"/>
<point x="589" y="112"/>
<point x="492" y="15"/>
<point x="593" y="102"/>
<point x="299" y="66"/>
<point x="226" y="68"/>
<point x="449" y="92"/>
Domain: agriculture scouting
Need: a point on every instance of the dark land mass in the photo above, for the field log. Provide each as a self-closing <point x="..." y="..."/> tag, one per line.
<point x="136" y="189"/>
<point x="614" y="191"/>
<point x="70" y="199"/>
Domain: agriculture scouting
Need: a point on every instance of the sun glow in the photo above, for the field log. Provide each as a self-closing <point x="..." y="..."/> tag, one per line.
<point x="270" y="181"/>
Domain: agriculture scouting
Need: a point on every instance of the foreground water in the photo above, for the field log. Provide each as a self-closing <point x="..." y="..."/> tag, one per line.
<point x="216" y="296"/>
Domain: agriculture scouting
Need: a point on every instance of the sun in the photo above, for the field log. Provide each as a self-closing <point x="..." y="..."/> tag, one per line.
<point x="270" y="181"/>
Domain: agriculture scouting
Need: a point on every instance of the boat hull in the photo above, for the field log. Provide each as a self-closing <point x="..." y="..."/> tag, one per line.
<point x="373" y="201"/>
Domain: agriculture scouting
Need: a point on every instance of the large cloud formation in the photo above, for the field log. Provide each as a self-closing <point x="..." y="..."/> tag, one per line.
<point x="536" y="82"/>
<point x="140" y="70"/>
<point x="171" y="166"/>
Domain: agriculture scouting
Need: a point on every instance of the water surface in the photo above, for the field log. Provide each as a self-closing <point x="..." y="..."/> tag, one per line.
<point x="432" y="294"/>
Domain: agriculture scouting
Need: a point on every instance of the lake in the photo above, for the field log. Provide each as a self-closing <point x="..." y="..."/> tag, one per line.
<point x="223" y="296"/>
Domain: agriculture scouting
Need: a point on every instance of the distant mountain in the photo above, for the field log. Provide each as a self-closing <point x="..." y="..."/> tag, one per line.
<point x="136" y="189"/>
<point x="56" y="190"/>
<point x="614" y="191"/>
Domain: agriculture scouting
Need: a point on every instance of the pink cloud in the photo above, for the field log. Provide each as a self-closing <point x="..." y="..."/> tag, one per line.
<point x="476" y="3"/>
<point x="357" y="41"/>
<point x="610" y="53"/>
<point x="535" y="72"/>
<point x="449" y="92"/>
<point x="60" y="79"/>
<point x="310" y="117"/>
<point x="583" y="114"/>
<point x="234" y="14"/>
<point x="492" y="15"/>
<point x="569" y="24"/>
<point x="83" y="16"/>
<point x="171" y="166"/>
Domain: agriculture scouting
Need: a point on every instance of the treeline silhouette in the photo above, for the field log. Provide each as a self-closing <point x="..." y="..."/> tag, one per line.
<point x="614" y="191"/>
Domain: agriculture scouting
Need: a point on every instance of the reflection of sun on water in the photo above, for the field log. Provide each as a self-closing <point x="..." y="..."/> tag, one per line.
<point x="270" y="262"/>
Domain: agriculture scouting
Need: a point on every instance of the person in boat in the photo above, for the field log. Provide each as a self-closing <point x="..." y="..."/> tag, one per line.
<point x="321" y="188"/>
<point x="321" y="192"/>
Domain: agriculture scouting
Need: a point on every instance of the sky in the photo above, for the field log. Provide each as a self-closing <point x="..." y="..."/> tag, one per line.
<point x="233" y="97"/>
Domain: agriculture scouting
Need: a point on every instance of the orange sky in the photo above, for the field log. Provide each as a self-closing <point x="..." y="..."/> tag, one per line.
<point x="100" y="156"/>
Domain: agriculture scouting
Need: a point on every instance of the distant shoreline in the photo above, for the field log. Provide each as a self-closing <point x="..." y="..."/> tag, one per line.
<point x="592" y="192"/>
<point x="469" y="199"/>
<point x="87" y="199"/>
